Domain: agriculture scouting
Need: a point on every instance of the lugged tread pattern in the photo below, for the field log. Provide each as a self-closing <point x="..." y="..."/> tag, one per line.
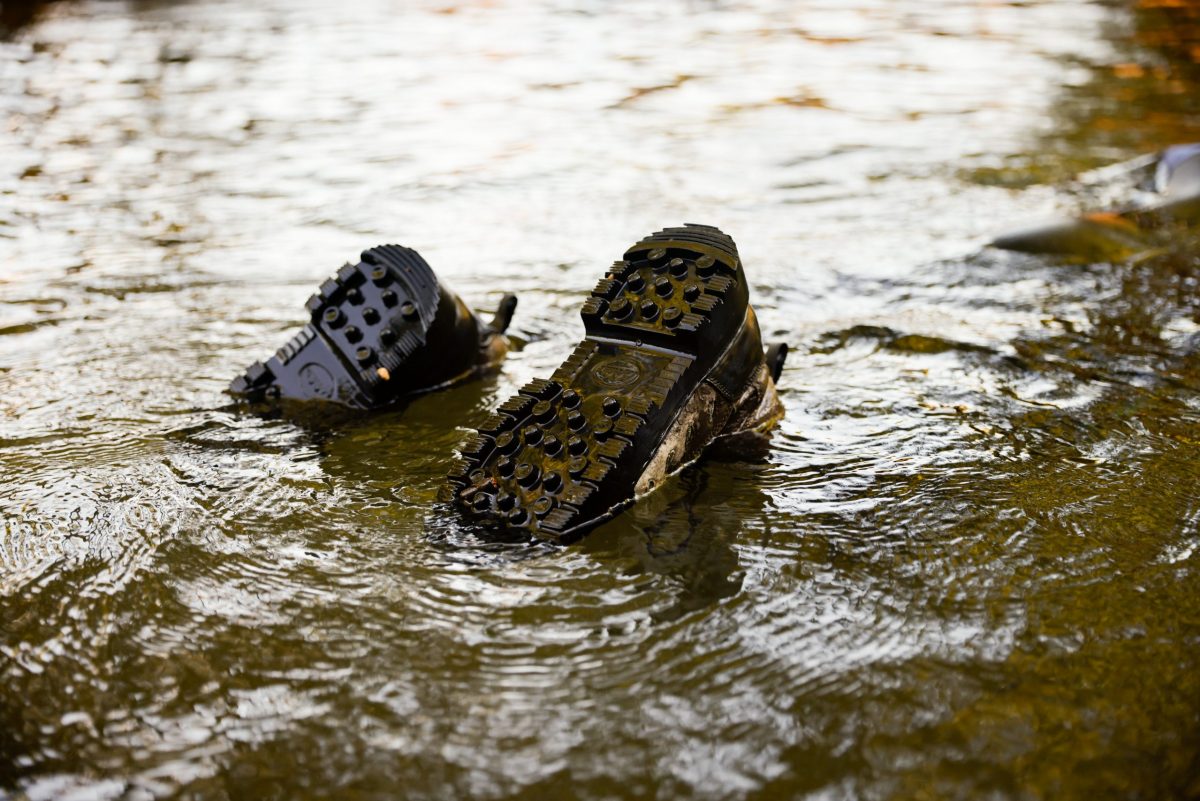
<point x="367" y="321"/>
<point x="592" y="437"/>
<point x="295" y="344"/>
<point x="705" y="235"/>
<point x="564" y="452"/>
<point x="671" y="290"/>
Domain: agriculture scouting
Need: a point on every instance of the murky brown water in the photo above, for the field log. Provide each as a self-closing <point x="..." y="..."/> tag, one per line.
<point x="968" y="568"/>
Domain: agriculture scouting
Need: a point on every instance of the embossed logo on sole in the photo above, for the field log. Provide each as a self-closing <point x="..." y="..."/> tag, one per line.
<point x="618" y="372"/>
<point x="318" y="379"/>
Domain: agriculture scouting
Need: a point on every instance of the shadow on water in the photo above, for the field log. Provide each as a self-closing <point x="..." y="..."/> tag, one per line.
<point x="689" y="531"/>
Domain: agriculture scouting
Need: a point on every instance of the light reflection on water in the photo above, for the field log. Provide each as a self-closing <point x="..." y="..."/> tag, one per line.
<point x="965" y="568"/>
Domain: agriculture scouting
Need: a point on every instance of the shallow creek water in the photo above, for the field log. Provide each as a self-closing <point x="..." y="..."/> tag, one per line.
<point x="968" y="566"/>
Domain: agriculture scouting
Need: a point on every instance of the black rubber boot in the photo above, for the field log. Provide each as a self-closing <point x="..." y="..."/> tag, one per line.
<point x="672" y="360"/>
<point x="381" y="329"/>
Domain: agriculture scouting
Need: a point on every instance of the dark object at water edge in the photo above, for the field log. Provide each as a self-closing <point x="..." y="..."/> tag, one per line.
<point x="1171" y="179"/>
<point x="380" y="330"/>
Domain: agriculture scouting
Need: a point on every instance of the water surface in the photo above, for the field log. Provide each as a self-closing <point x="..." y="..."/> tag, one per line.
<point x="968" y="567"/>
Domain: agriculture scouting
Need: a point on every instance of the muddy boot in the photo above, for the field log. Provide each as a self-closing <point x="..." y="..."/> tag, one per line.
<point x="672" y="361"/>
<point x="380" y="330"/>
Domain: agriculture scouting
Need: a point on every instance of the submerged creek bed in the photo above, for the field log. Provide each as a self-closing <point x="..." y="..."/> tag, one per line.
<point x="968" y="566"/>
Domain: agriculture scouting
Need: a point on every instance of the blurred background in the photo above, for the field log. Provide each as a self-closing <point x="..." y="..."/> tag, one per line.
<point x="968" y="567"/>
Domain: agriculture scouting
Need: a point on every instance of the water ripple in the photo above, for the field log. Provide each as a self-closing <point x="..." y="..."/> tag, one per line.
<point x="965" y="566"/>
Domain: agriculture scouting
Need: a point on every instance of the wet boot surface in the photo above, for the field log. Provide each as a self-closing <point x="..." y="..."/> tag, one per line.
<point x="672" y="351"/>
<point x="381" y="329"/>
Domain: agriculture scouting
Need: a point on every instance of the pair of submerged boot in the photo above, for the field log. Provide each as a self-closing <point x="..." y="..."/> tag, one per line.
<point x="672" y="361"/>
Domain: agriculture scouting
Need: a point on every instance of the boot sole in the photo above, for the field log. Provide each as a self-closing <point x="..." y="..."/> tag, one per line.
<point x="366" y="323"/>
<point x="565" y="453"/>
